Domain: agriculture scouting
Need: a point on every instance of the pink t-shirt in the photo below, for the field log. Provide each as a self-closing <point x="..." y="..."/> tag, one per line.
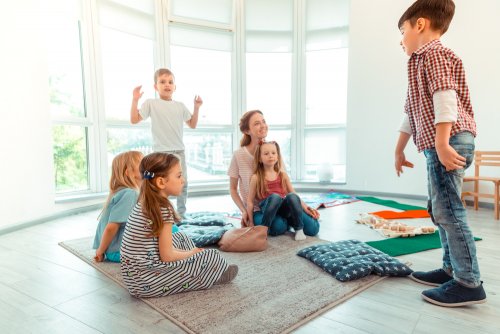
<point x="275" y="187"/>
<point x="241" y="168"/>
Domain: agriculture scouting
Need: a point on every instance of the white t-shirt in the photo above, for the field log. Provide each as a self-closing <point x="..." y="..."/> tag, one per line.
<point x="167" y="123"/>
<point x="241" y="168"/>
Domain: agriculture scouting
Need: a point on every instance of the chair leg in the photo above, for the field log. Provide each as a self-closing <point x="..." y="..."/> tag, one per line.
<point x="476" y="197"/>
<point x="497" y="200"/>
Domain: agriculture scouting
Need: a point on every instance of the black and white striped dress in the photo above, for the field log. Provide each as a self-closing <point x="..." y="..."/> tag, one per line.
<point x="144" y="273"/>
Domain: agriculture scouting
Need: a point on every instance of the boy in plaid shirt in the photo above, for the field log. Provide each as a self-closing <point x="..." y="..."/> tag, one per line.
<point x="439" y="117"/>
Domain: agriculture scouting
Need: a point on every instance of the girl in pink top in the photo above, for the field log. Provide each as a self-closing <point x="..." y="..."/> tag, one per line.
<point x="271" y="186"/>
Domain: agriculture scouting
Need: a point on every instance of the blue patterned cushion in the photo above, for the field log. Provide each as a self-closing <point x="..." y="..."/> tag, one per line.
<point x="203" y="235"/>
<point x="348" y="260"/>
<point x="204" y="218"/>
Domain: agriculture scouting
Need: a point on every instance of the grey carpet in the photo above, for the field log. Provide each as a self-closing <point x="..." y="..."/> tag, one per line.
<point x="275" y="291"/>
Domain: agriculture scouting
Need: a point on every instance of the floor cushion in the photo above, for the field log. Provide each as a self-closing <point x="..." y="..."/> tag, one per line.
<point x="348" y="260"/>
<point x="204" y="218"/>
<point x="204" y="235"/>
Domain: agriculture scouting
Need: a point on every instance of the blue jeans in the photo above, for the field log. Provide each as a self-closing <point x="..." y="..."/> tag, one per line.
<point x="449" y="214"/>
<point x="279" y="213"/>
<point x="182" y="198"/>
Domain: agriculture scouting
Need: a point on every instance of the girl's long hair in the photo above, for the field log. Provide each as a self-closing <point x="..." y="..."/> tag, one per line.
<point x="258" y="169"/>
<point x="245" y="126"/>
<point x="123" y="162"/>
<point x="155" y="165"/>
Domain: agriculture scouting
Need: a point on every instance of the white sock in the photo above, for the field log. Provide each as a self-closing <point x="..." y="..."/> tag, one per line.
<point x="299" y="235"/>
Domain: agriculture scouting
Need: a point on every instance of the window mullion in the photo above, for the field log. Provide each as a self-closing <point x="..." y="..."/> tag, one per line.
<point x="95" y="145"/>
<point x="298" y="114"/>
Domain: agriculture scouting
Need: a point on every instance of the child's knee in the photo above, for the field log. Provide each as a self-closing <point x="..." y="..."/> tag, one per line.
<point x="292" y="197"/>
<point x="278" y="227"/>
<point x="275" y="197"/>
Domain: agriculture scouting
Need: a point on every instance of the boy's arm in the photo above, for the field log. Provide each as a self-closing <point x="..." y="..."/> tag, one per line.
<point x="400" y="159"/>
<point x="193" y="121"/>
<point x="447" y="154"/>
<point x="446" y="114"/>
<point x="135" y="117"/>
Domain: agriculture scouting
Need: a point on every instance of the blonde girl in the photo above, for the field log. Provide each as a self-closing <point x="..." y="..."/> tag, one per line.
<point x="271" y="188"/>
<point x="123" y="192"/>
<point x="155" y="262"/>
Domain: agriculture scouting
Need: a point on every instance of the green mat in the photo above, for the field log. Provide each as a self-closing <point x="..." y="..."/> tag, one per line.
<point x="403" y="246"/>
<point x="389" y="203"/>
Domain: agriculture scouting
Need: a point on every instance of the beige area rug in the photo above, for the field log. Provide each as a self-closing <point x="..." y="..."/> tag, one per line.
<point x="275" y="291"/>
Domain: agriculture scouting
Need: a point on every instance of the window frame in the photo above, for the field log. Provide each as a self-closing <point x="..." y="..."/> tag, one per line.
<point x="95" y="119"/>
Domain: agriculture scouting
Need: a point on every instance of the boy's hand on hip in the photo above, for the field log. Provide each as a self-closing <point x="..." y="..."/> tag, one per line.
<point x="450" y="159"/>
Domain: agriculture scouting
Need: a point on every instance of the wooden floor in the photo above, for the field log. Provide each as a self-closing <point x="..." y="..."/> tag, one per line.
<point x="45" y="289"/>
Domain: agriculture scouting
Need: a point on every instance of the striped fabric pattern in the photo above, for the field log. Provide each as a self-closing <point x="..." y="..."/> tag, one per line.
<point x="145" y="275"/>
<point x="241" y="168"/>
<point x="433" y="68"/>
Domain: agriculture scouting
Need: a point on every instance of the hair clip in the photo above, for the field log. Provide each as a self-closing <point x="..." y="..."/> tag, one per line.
<point x="261" y="141"/>
<point x="148" y="175"/>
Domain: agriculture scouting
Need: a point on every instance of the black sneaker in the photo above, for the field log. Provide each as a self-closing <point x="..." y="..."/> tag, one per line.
<point x="453" y="294"/>
<point x="433" y="278"/>
<point x="228" y="275"/>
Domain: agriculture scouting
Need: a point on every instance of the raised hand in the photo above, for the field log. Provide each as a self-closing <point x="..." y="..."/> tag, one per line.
<point x="136" y="93"/>
<point x="197" y="101"/>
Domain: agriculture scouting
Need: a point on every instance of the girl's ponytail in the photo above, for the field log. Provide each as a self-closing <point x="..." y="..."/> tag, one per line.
<point x="155" y="165"/>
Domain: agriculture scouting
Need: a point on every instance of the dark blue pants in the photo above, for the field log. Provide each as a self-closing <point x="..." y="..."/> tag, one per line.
<point x="280" y="213"/>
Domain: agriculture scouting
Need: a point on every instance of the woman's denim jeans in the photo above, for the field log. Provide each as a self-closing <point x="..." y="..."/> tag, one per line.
<point x="449" y="214"/>
<point x="279" y="213"/>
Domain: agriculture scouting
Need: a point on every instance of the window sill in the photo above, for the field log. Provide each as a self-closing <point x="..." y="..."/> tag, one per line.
<point x="203" y="189"/>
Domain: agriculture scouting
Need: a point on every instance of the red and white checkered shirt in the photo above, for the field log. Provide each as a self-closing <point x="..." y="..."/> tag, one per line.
<point x="432" y="68"/>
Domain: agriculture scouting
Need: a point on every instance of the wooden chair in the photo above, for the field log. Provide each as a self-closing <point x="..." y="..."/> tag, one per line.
<point x="484" y="158"/>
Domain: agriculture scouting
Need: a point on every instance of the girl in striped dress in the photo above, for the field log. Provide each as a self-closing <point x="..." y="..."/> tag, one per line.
<point x="155" y="262"/>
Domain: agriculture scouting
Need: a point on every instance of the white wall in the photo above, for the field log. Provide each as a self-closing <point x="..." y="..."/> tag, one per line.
<point x="27" y="190"/>
<point x="377" y="87"/>
<point x="378" y="82"/>
<point x="25" y="125"/>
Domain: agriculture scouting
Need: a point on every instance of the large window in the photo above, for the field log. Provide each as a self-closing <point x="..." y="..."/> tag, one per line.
<point x="127" y="45"/>
<point x="269" y="68"/>
<point x="201" y="60"/>
<point x="326" y="87"/>
<point x="287" y="58"/>
<point x="67" y="97"/>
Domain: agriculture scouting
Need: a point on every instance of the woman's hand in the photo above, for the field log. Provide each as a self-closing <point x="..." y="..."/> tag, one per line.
<point x="312" y="212"/>
<point x="244" y="219"/>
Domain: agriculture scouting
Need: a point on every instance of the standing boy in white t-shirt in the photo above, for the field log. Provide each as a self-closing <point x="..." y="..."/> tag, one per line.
<point x="167" y="121"/>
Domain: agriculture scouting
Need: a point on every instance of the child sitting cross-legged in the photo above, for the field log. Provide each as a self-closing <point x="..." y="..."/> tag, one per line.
<point x="155" y="262"/>
<point x="271" y="188"/>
